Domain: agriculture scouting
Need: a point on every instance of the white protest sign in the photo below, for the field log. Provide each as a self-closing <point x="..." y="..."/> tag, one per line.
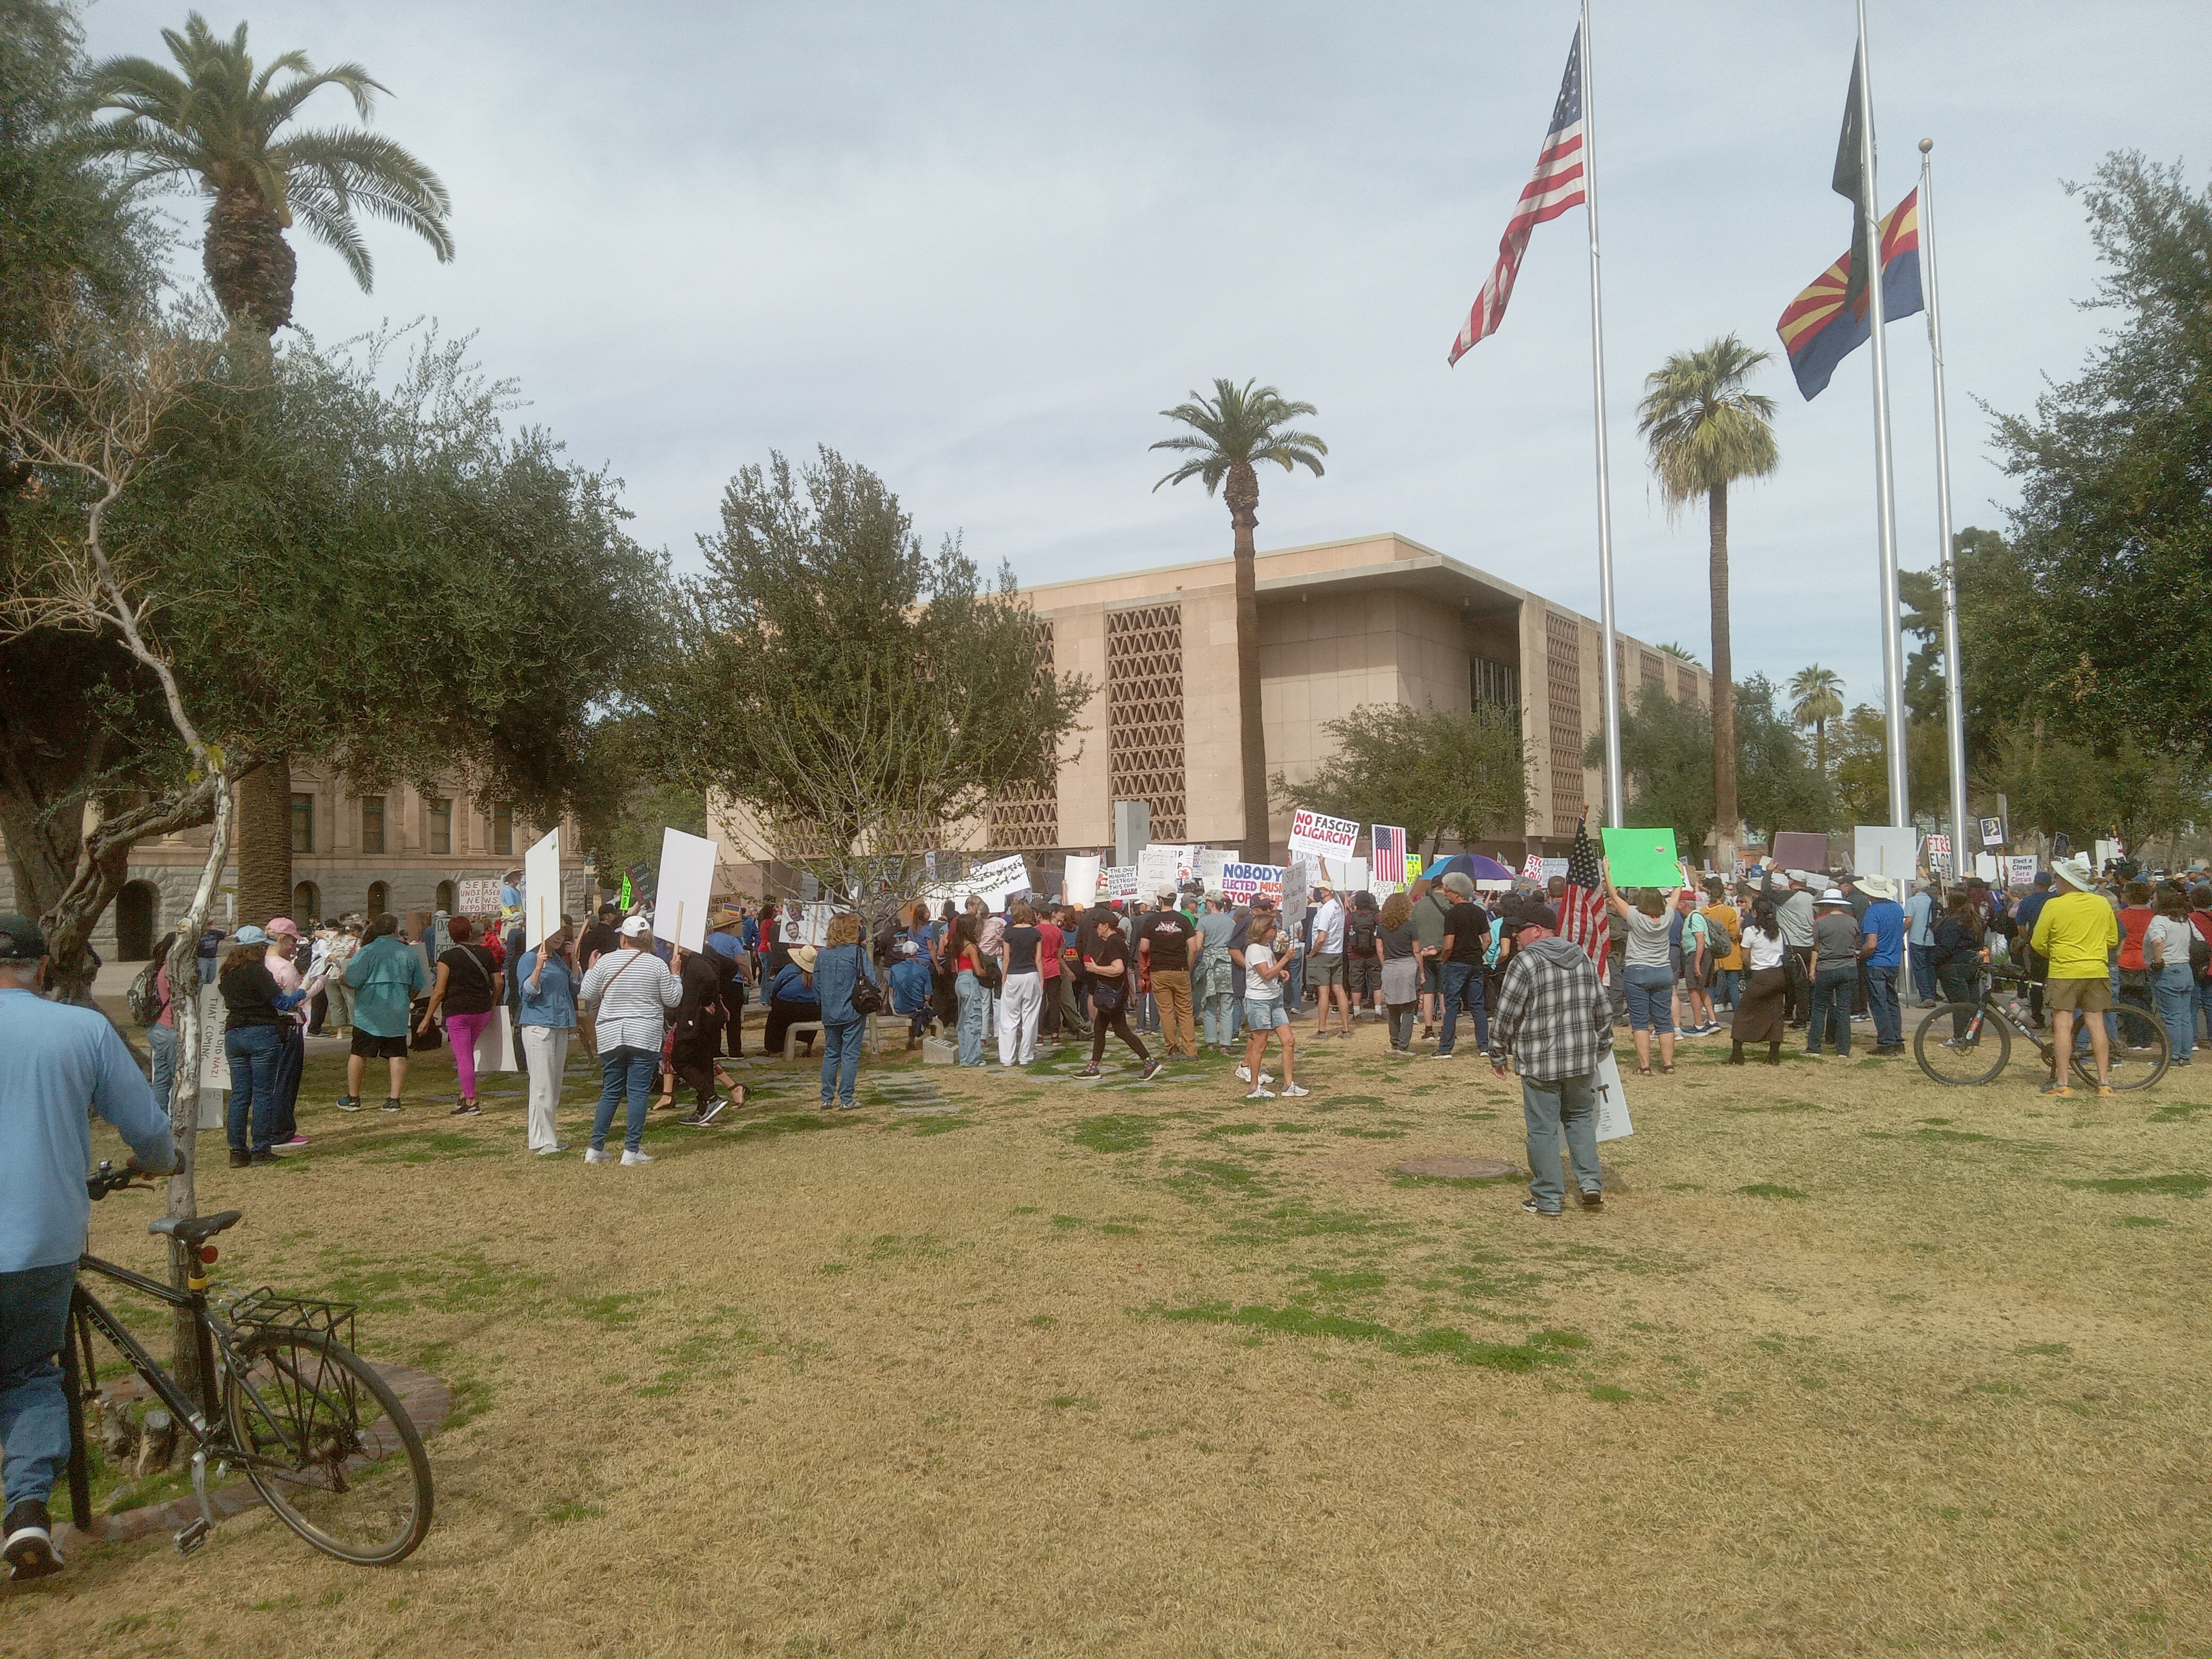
<point x="1534" y="869"/>
<point x="1242" y="883"/>
<point x="2020" y="870"/>
<point x="1322" y="836"/>
<point x="479" y="896"/>
<point x="1121" y="882"/>
<point x="1881" y="850"/>
<point x="1163" y="864"/>
<point x="541" y="888"/>
<point x="2106" y="851"/>
<point x="1296" y="895"/>
<point x="1554" y="867"/>
<point x="215" y="1069"/>
<point x="1612" y="1102"/>
<point x="1082" y="881"/>
<point x="1346" y="876"/>
<point x="495" y="1049"/>
<point x="682" y="889"/>
<point x="999" y="880"/>
<point x="1211" y="862"/>
<point x="1985" y="866"/>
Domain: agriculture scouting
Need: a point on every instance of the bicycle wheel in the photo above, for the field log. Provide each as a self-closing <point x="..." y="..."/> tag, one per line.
<point x="1976" y="1057"/>
<point x="2138" y="1045"/>
<point x="329" y="1446"/>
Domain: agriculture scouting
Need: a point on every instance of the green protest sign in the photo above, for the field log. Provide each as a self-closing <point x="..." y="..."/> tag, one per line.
<point x="1642" y="858"/>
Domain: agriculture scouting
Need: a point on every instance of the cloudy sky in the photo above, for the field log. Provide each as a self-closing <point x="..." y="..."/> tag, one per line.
<point x="979" y="247"/>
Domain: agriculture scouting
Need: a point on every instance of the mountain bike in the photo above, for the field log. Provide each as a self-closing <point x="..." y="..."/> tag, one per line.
<point x="1970" y="1042"/>
<point x="283" y="1398"/>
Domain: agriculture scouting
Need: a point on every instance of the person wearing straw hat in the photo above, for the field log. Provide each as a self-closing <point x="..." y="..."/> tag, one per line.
<point x="2079" y="935"/>
<point x="1882" y="951"/>
<point x="1835" y="941"/>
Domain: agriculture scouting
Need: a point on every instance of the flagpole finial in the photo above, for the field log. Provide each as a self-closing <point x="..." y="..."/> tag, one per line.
<point x="1927" y="144"/>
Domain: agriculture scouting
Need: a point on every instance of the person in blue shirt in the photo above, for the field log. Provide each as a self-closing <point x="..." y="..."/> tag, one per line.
<point x="545" y="981"/>
<point x="1920" y="936"/>
<point x="791" y="999"/>
<point x="912" y="983"/>
<point x="56" y="1061"/>
<point x="1882" y="949"/>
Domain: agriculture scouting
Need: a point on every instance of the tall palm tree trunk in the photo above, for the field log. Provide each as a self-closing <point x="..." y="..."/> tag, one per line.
<point x="248" y="263"/>
<point x="1242" y="494"/>
<point x="1725" y="816"/>
<point x="265" y="843"/>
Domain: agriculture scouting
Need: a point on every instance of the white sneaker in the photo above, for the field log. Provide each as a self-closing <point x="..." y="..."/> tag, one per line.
<point x="1245" y="1075"/>
<point x="628" y="1159"/>
<point x="1292" y="1090"/>
<point x="598" y="1155"/>
<point x="1264" y="1094"/>
<point x="548" y="1151"/>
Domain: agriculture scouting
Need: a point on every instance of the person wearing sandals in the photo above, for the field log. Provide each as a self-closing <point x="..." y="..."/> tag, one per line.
<point x="467" y="989"/>
<point x="1266" y="973"/>
<point x="1649" y="976"/>
<point x="1555" y="1024"/>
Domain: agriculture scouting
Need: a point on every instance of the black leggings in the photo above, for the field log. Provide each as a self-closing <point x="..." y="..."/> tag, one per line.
<point x="692" y="1060"/>
<point x="1116" y="1018"/>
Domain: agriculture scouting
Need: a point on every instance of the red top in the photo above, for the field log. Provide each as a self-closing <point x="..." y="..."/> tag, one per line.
<point x="1048" y="950"/>
<point x="2134" y="921"/>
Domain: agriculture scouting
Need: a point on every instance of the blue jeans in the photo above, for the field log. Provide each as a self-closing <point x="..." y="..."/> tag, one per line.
<point x="1463" y="987"/>
<point x="624" y="1073"/>
<point x="1294" y="998"/>
<point x="841" y="1058"/>
<point x="34" y="1412"/>
<point x="291" y="1061"/>
<point x="1832" y="1006"/>
<point x="974" y="1017"/>
<point x="1923" y="972"/>
<point x="1727" y="982"/>
<point x="2175" y="987"/>
<point x="1567" y="1107"/>
<point x="1217" y="1014"/>
<point x="1882" y="1003"/>
<point x="1650" y="998"/>
<point x="162" y="1041"/>
<point x="253" y="1052"/>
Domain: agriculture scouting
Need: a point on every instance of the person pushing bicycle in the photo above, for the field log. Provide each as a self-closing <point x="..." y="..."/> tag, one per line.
<point x="55" y="1062"/>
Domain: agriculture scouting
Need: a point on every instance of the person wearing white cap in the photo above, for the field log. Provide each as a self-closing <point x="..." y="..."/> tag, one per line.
<point x="1835" y="972"/>
<point x="630" y="991"/>
<point x="2079" y="935"/>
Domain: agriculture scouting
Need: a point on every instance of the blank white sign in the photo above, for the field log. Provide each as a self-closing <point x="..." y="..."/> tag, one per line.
<point x="681" y="894"/>
<point x="541" y="884"/>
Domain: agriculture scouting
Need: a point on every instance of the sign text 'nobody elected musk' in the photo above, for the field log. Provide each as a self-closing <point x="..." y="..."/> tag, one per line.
<point x="1242" y="883"/>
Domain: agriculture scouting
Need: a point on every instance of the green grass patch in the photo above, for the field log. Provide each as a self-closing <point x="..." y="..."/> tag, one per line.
<point x="1777" y="1106"/>
<point x="1531" y="1354"/>
<point x="1611" y="1392"/>
<point x="2166" y="1186"/>
<point x="571" y="1509"/>
<point x="1114" y="1132"/>
<point x="2142" y="1221"/>
<point x="1769" y="1189"/>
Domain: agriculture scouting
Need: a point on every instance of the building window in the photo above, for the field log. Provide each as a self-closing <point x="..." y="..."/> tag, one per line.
<point x="303" y="824"/>
<point x="441" y="825"/>
<point x="1493" y="682"/>
<point x="372" y="824"/>
<point x="503" y="829"/>
<point x="379" y="899"/>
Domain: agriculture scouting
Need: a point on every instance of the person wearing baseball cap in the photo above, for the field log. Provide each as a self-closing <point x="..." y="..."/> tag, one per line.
<point x="630" y="990"/>
<point x="2079" y="935"/>
<point x="1554" y="1022"/>
<point x="58" y="1064"/>
<point x="1325" y="961"/>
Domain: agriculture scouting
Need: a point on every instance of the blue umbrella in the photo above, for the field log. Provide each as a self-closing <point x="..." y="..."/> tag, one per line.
<point x="1472" y="864"/>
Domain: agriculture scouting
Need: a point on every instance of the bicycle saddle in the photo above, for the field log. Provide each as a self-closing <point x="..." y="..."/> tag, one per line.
<point x="196" y="1230"/>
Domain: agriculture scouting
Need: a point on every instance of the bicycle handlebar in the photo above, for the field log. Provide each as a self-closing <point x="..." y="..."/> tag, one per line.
<point x="108" y="1179"/>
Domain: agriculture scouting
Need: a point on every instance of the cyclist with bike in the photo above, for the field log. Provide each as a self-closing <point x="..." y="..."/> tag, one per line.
<point x="55" y="1060"/>
<point x="2079" y="935"/>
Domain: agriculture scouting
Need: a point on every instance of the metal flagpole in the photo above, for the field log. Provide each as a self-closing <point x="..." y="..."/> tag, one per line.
<point x="1953" y="672"/>
<point x="1615" y="799"/>
<point x="1892" y="667"/>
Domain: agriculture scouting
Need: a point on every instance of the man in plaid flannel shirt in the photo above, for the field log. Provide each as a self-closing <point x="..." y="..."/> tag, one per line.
<point x="1555" y="1022"/>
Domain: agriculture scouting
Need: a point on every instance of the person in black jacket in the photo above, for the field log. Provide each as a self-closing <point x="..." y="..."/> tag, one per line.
<point x="1956" y="956"/>
<point x="694" y="1055"/>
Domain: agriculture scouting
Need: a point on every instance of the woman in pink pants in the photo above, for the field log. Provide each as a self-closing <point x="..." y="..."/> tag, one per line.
<point x="467" y="991"/>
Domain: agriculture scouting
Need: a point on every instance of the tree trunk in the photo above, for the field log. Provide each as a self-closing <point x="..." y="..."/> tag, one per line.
<point x="248" y="263"/>
<point x="1242" y="495"/>
<point x="1725" y="814"/>
<point x="184" y="1094"/>
<point x="1820" y="744"/>
<point x="265" y="843"/>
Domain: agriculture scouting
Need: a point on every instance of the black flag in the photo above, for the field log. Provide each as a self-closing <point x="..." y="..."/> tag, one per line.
<point x="1851" y="182"/>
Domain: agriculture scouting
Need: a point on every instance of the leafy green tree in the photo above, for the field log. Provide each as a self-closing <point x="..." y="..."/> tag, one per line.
<point x="1861" y="774"/>
<point x="216" y="124"/>
<point x="2114" y="527"/>
<point x="1999" y="613"/>
<point x="1435" y="772"/>
<point x="1817" y="697"/>
<point x="1664" y="745"/>
<point x="2054" y="783"/>
<point x="858" y="695"/>
<point x="1704" y="431"/>
<point x="1232" y="432"/>
<point x="1781" y="787"/>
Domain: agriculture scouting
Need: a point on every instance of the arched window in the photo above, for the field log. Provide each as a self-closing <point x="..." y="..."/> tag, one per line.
<point x="446" y="897"/>
<point x="379" y="899"/>
<point x="138" y="917"/>
<point x="307" y="903"/>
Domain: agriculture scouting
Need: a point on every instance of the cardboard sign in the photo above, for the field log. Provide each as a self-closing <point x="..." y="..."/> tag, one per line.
<point x="541" y="888"/>
<point x="1211" y="862"/>
<point x="494" y="1049"/>
<point x="1554" y="867"/>
<point x="1322" y="836"/>
<point x="1346" y="876"/>
<point x="1163" y="864"/>
<point x="1121" y="883"/>
<point x="1080" y="881"/>
<point x="2020" y="870"/>
<point x="1800" y="849"/>
<point x="1296" y="897"/>
<point x="684" y="889"/>
<point x="478" y="897"/>
<point x="1643" y="857"/>
<point x="1612" y="1122"/>
<point x="1242" y="883"/>
<point x="1413" y="868"/>
<point x="803" y="924"/>
<point x="1880" y="850"/>
<point x="215" y="1069"/>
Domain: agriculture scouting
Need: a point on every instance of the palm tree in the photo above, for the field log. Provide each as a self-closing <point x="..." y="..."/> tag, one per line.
<point x="1816" y="696"/>
<point x="1231" y="433"/>
<point x="214" y="129"/>
<point x="1705" y="431"/>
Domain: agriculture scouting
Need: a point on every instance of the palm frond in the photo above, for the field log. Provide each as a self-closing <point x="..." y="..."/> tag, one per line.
<point x="1703" y="428"/>
<point x="329" y="224"/>
<point x="1241" y="425"/>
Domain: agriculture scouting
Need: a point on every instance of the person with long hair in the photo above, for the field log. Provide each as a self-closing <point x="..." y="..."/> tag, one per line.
<point x="255" y="1012"/>
<point x="1106" y="959"/>
<point x="2173" y="984"/>
<point x="1954" y="955"/>
<point x="839" y="966"/>
<point x="547" y="977"/>
<point x="1019" y="1002"/>
<point x="1650" y="976"/>
<point x="1759" y="1008"/>
<point x="467" y="989"/>
<point x="1266" y="974"/>
<point x="968" y="988"/>
<point x="1397" y="954"/>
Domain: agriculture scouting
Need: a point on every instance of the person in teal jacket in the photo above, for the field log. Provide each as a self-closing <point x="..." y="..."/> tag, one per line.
<point x="385" y="976"/>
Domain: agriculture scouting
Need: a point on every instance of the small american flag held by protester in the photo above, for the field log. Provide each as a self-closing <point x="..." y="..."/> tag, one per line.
<point x="1581" y="907"/>
<point x="1556" y="185"/>
<point x="1389" y="849"/>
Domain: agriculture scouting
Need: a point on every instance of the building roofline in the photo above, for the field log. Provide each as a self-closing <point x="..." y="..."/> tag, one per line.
<point x="1201" y="564"/>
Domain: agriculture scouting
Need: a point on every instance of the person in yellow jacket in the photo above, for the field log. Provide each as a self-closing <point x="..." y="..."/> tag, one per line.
<point x="1727" y="927"/>
<point x="2079" y="936"/>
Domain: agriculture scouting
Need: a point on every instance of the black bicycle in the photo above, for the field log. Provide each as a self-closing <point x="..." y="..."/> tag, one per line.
<point x="1970" y="1042"/>
<point x="283" y="1399"/>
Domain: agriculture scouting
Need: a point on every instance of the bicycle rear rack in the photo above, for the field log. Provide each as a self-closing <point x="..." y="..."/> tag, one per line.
<point x="268" y="1310"/>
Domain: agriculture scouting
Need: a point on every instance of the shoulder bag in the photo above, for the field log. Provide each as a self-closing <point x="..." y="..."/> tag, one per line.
<point x="867" y="995"/>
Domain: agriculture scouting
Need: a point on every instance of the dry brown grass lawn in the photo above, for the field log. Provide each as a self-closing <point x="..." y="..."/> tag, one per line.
<point x="1849" y="1364"/>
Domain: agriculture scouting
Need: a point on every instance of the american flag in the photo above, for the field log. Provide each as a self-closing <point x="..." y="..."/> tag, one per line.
<point x="1555" y="187"/>
<point x="1389" y="862"/>
<point x="1581" y="907"/>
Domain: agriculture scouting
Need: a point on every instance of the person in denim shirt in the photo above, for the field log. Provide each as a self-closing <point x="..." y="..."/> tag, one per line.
<point x="545" y="979"/>
<point x="838" y="966"/>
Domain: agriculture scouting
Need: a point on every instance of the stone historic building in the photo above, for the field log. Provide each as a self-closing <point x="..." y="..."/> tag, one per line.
<point x="399" y="850"/>
<point x="1377" y="619"/>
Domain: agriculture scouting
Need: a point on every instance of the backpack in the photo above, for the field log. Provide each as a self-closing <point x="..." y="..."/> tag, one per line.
<point x="2200" y="956"/>
<point x="1363" y="933"/>
<point x="146" y="1004"/>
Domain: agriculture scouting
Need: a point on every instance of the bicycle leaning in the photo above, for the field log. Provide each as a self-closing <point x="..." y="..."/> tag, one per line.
<point x="282" y="1397"/>
<point x="1970" y="1042"/>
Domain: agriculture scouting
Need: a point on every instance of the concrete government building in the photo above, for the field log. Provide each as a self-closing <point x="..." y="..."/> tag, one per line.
<point x="1377" y="619"/>
<point x="399" y="850"/>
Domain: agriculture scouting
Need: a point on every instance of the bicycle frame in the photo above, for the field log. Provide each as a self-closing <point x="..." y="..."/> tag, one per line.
<point x="198" y="1418"/>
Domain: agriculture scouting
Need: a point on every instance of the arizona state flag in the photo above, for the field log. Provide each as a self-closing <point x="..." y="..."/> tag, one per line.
<point x="1828" y="322"/>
